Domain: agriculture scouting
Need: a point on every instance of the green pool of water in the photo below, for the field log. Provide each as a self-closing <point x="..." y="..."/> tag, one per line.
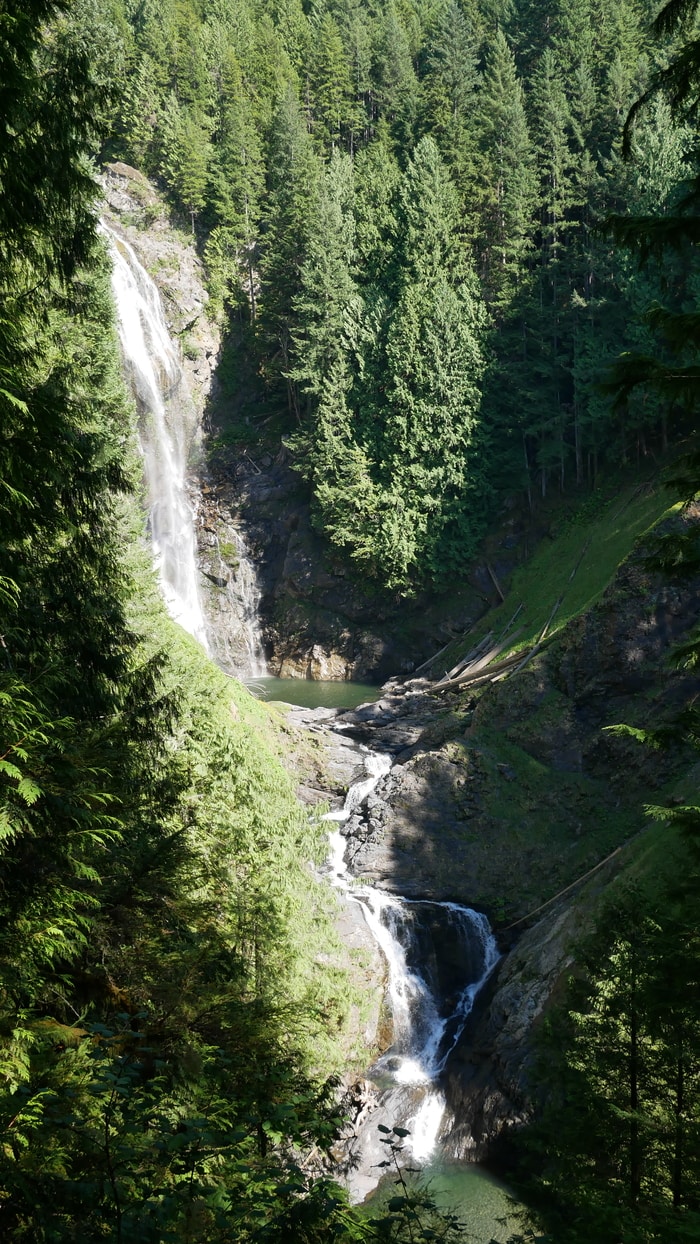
<point x="480" y="1200"/>
<point x="308" y="693"/>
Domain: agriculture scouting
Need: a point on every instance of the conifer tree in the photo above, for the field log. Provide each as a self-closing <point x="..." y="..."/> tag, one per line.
<point x="328" y="296"/>
<point x="331" y="85"/>
<point x="410" y="371"/>
<point x="396" y="83"/>
<point x="235" y="189"/>
<point x="450" y="108"/>
<point x="293" y="172"/>
<point x="510" y="173"/>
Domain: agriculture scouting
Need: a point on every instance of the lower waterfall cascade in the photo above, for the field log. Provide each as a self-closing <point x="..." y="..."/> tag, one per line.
<point x="428" y="1016"/>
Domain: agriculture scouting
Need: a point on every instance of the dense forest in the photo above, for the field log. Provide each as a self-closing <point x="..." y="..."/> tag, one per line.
<point x="402" y="210"/>
<point x="401" y="203"/>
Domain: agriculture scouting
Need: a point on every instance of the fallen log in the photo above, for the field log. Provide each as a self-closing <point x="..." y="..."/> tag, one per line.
<point x="433" y="659"/>
<point x="495" y="582"/>
<point x="471" y="656"/>
<point x="470" y="679"/>
<point x="489" y="656"/>
<point x="551" y="618"/>
<point x="508" y="624"/>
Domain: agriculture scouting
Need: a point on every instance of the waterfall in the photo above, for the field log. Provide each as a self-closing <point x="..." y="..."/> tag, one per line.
<point x="167" y="428"/>
<point x="429" y="1004"/>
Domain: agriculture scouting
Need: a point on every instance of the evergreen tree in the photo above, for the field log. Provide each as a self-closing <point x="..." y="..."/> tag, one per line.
<point x="450" y="107"/>
<point x="292" y="177"/>
<point x="620" y="1124"/>
<point x="235" y="189"/>
<point x="331" y="86"/>
<point x="396" y="90"/>
<point x="328" y="294"/>
<point x="401" y="400"/>
<point x="377" y="178"/>
<point x="512" y="190"/>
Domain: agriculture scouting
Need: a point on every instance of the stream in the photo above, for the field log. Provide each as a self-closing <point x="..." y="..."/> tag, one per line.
<point x="438" y="954"/>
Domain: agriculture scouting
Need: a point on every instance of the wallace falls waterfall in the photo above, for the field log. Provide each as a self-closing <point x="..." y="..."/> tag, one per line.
<point x="438" y="954"/>
<point x="168" y="431"/>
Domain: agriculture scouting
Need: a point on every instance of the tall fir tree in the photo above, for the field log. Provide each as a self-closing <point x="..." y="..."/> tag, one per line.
<point x="293" y="175"/>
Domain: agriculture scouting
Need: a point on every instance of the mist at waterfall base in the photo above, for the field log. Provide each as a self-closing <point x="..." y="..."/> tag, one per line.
<point x="438" y="956"/>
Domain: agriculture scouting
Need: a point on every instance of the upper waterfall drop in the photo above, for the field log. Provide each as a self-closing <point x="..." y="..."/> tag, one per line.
<point x="167" y="429"/>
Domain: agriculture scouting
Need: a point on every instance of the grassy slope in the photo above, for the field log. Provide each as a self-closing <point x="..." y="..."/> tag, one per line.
<point x="589" y="542"/>
<point x="540" y="794"/>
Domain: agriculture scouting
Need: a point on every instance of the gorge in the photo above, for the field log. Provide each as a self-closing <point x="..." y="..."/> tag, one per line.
<point x="438" y="955"/>
<point x="442" y="780"/>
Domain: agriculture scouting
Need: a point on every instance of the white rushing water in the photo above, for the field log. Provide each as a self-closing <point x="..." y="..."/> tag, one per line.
<point x="167" y="428"/>
<point x="428" y="1016"/>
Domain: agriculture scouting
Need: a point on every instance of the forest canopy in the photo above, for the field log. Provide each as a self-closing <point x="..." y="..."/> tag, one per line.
<point x="400" y="206"/>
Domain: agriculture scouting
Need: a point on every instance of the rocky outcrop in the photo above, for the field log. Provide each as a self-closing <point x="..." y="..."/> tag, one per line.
<point x="500" y="798"/>
<point x="503" y="799"/>
<point x="316" y="622"/>
<point x="488" y="1081"/>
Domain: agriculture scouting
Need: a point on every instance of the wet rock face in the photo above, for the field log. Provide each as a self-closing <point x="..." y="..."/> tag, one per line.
<point x="488" y="1083"/>
<point x="315" y="622"/>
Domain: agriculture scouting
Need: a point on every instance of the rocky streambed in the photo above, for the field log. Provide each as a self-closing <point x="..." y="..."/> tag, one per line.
<point x="511" y="799"/>
<point x="485" y="1078"/>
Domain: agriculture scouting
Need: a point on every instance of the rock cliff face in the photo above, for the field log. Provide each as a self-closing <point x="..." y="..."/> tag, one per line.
<point x="134" y="209"/>
<point x="314" y="622"/>
<point x="317" y="619"/>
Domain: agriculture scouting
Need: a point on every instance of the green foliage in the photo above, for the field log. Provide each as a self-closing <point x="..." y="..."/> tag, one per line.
<point x="619" y="1134"/>
<point x="167" y="1022"/>
<point x="239" y="108"/>
<point x="394" y="369"/>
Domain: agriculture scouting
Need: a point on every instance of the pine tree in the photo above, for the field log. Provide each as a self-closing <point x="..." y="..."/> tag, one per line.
<point x="292" y="179"/>
<point x="510" y="172"/>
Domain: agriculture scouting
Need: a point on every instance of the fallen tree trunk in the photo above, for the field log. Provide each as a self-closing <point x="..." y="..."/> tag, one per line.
<point x="474" y="677"/>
